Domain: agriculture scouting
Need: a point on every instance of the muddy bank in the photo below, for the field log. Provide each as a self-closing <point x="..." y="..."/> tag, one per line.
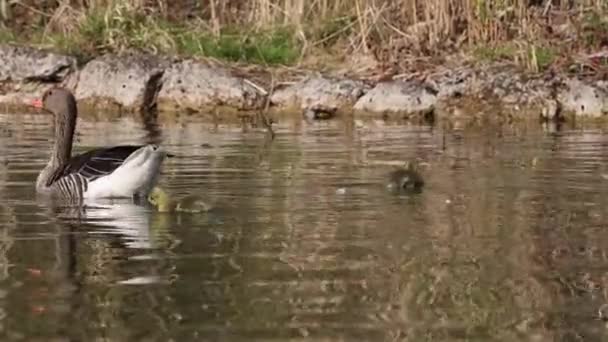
<point x="135" y="83"/>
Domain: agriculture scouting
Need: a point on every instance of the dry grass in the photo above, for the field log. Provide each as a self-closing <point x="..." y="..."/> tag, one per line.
<point x="400" y="34"/>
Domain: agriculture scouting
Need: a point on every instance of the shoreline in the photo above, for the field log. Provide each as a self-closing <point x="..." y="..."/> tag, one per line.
<point x="139" y="83"/>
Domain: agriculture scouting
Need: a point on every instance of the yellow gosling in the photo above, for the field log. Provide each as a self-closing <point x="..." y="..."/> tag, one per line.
<point x="190" y="204"/>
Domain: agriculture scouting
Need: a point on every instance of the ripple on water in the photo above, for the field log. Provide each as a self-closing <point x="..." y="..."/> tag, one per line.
<point x="506" y="241"/>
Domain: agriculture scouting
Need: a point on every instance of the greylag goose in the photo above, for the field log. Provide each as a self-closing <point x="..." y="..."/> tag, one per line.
<point x="120" y="171"/>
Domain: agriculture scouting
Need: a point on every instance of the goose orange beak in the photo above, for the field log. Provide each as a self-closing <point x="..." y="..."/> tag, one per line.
<point x="37" y="103"/>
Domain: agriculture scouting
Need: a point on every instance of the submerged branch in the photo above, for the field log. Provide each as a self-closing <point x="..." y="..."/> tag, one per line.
<point x="263" y="115"/>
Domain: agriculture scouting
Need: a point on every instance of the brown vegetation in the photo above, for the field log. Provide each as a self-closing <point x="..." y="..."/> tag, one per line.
<point x="400" y="35"/>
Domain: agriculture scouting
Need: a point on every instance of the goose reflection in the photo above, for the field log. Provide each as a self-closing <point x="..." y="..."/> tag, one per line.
<point x="134" y="223"/>
<point x="130" y="224"/>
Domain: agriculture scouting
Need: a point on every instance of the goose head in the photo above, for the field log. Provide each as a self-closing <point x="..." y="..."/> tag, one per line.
<point x="61" y="103"/>
<point x="58" y="101"/>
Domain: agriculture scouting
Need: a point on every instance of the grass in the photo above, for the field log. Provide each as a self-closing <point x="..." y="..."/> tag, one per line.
<point x="497" y="53"/>
<point x="101" y="31"/>
<point x="533" y="57"/>
<point x="112" y="30"/>
<point x="6" y="36"/>
<point x="595" y="30"/>
<point x="545" y="56"/>
<point x="269" y="47"/>
<point x="285" y="31"/>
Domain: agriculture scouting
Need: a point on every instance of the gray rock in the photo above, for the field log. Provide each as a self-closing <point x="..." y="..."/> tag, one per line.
<point x="510" y="98"/>
<point x="397" y="97"/>
<point x="323" y="91"/>
<point x="21" y="94"/>
<point x="129" y="81"/>
<point x="195" y="87"/>
<point x="602" y="84"/>
<point x="19" y="64"/>
<point x="452" y="83"/>
<point x="583" y="99"/>
<point x="25" y="73"/>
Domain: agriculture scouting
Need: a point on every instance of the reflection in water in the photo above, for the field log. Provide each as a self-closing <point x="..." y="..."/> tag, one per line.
<point x="505" y="242"/>
<point x="128" y="220"/>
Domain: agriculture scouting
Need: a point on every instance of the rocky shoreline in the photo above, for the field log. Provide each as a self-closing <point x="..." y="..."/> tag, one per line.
<point x="135" y="83"/>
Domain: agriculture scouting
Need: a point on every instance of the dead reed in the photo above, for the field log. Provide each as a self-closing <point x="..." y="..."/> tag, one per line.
<point x="284" y="31"/>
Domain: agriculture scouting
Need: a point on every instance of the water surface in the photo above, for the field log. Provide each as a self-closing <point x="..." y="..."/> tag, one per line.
<point x="506" y="242"/>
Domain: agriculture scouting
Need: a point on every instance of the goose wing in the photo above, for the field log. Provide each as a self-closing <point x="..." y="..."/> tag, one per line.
<point x="95" y="163"/>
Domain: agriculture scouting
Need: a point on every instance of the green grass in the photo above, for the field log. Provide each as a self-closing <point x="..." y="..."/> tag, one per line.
<point x="595" y="30"/>
<point x="270" y="47"/>
<point x="6" y="36"/>
<point x="117" y="26"/>
<point x="497" y="53"/>
<point x="115" y="30"/>
<point x="273" y="47"/>
<point x="595" y="21"/>
<point x="545" y="56"/>
<point x="330" y="32"/>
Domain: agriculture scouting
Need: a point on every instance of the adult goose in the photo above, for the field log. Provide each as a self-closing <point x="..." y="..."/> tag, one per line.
<point x="120" y="171"/>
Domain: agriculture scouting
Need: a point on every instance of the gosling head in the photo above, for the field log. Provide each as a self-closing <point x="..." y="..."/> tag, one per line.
<point x="406" y="178"/>
<point x="159" y="199"/>
<point x="410" y="165"/>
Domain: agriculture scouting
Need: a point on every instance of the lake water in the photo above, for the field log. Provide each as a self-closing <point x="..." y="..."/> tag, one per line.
<point x="506" y="242"/>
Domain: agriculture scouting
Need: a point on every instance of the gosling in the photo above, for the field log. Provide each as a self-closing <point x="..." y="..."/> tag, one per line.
<point x="189" y="204"/>
<point x="406" y="178"/>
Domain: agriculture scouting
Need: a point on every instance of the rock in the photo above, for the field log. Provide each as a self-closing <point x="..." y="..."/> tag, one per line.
<point x="602" y="84"/>
<point x="18" y="64"/>
<point x="452" y="83"/>
<point x="397" y="97"/>
<point x="25" y="73"/>
<point x="19" y="96"/>
<point x="322" y="91"/>
<point x="129" y="81"/>
<point x="509" y="98"/>
<point x="195" y="87"/>
<point x="583" y="99"/>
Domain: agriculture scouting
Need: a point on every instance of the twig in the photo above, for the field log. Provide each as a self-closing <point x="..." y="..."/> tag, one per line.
<point x="548" y="5"/>
<point x="334" y="34"/>
<point x="599" y="54"/>
<point x="30" y="8"/>
<point x="263" y="114"/>
<point x="407" y="75"/>
<point x="257" y="87"/>
<point x="392" y="27"/>
<point x="365" y="27"/>
<point x="5" y="11"/>
<point x="286" y="83"/>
